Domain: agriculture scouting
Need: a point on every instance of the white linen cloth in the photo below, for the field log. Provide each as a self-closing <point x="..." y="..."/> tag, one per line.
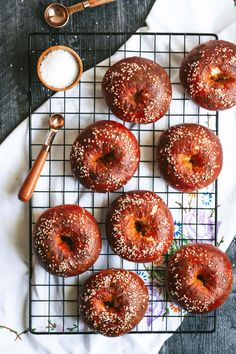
<point x="166" y="16"/>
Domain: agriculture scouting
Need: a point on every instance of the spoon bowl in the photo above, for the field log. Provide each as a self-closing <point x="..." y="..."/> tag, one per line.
<point x="56" y="15"/>
<point x="56" y="121"/>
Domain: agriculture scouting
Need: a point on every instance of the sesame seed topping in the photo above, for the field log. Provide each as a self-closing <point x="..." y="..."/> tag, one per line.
<point x="139" y="226"/>
<point x="189" y="156"/>
<point x="105" y="156"/>
<point x="208" y="74"/>
<point x="114" y="301"/>
<point x="137" y="90"/>
<point x="66" y="240"/>
<point x="199" y="277"/>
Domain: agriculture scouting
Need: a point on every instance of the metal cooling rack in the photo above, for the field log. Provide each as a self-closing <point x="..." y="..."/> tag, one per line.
<point x="54" y="301"/>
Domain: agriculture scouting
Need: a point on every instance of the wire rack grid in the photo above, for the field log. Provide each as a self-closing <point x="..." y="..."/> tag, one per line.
<point x="53" y="300"/>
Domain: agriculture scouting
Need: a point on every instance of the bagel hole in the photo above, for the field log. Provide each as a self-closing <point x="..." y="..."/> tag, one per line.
<point x="193" y="162"/>
<point x="196" y="160"/>
<point x="218" y="76"/>
<point x="68" y="241"/>
<point x="108" y="157"/>
<point x="201" y="278"/>
<point x="111" y="304"/>
<point x="140" y="227"/>
<point x="137" y="96"/>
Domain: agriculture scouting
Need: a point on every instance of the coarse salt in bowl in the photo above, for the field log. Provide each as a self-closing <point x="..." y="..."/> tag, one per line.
<point x="59" y="68"/>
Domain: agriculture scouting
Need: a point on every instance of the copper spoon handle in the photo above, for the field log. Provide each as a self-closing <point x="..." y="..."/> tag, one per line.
<point x="94" y="3"/>
<point x="83" y="5"/>
<point x="75" y="8"/>
<point x="28" y="186"/>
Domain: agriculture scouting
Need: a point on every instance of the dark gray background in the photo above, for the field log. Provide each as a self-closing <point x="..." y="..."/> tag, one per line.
<point x="18" y="19"/>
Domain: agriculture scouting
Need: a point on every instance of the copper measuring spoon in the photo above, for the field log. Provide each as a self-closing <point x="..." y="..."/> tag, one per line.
<point x="57" y="15"/>
<point x="56" y="122"/>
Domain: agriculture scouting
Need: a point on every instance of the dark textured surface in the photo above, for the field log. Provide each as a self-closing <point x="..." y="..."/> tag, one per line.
<point x="18" y="19"/>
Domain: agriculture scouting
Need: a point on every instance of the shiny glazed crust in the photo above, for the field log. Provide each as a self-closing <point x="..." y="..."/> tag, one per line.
<point x="105" y="156"/>
<point x="189" y="156"/>
<point x="137" y="90"/>
<point x="66" y="240"/>
<point x="199" y="277"/>
<point x="114" y="301"/>
<point x="208" y="74"/>
<point x="139" y="226"/>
